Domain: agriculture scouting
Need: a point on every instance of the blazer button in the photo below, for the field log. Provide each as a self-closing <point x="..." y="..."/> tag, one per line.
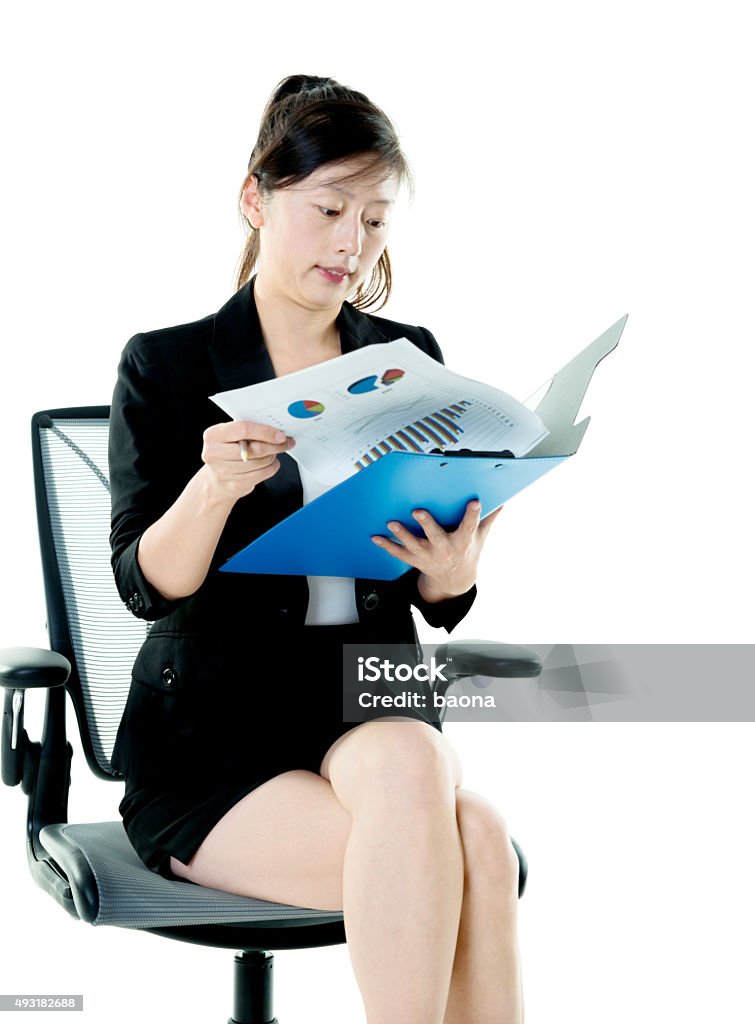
<point x="371" y="601"/>
<point x="169" y="677"/>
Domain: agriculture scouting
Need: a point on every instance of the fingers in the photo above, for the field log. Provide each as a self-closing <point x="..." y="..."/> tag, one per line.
<point x="245" y="430"/>
<point x="488" y="521"/>
<point x="222" y="454"/>
<point x="447" y="558"/>
<point x="412" y="549"/>
<point x="436" y="533"/>
<point x="433" y="530"/>
<point x="440" y="538"/>
<point x="262" y="443"/>
<point x="397" y="550"/>
<point x="260" y="439"/>
<point x="471" y="519"/>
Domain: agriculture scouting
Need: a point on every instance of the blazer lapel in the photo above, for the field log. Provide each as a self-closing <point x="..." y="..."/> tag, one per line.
<point x="357" y="329"/>
<point x="237" y="349"/>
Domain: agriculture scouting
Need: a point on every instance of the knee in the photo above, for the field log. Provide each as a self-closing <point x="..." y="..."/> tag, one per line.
<point x="405" y="760"/>
<point x="489" y="855"/>
<point x="413" y="752"/>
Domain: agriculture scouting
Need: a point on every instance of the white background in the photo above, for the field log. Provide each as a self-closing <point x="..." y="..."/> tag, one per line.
<point x="574" y="162"/>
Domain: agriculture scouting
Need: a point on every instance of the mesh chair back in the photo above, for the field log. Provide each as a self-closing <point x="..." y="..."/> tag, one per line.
<point x="86" y="618"/>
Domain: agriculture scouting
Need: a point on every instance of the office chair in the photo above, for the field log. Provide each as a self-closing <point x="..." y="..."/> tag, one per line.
<point x="91" y="868"/>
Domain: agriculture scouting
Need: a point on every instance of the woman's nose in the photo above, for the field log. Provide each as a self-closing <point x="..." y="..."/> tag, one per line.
<point x="350" y="236"/>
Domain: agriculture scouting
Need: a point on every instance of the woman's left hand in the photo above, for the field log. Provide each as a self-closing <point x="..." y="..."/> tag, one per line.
<point x="447" y="560"/>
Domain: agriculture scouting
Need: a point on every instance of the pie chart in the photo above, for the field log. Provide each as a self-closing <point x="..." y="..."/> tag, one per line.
<point x="306" y="409"/>
<point x="391" y="376"/>
<point x="360" y="387"/>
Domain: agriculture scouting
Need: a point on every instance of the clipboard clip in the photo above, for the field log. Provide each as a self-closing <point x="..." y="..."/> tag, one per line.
<point x="468" y="453"/>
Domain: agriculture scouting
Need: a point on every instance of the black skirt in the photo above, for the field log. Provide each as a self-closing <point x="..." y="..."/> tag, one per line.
<point x="301" y="716"/>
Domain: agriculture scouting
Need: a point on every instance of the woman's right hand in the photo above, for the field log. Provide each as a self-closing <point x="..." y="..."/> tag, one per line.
<point x="176" y="551"/>
<point x="230" y="477"/>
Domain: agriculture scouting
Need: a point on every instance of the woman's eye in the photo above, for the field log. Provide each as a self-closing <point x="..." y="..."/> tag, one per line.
<point x="328" y="212"/>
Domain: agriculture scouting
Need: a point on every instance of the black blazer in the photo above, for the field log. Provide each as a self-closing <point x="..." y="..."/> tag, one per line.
<point x="183" y="677"/>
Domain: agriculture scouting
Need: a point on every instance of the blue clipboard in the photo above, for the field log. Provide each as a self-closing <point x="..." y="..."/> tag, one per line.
<point x="330" y="536"/>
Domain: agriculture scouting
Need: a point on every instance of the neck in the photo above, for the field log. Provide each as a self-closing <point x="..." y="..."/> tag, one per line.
<point x="291" y="329"/>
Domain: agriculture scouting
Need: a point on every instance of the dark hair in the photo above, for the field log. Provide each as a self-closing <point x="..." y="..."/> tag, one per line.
<point x="310" y="121"/>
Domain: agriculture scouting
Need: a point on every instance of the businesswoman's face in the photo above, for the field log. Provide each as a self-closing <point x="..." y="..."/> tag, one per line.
<point x="321" y="238"/>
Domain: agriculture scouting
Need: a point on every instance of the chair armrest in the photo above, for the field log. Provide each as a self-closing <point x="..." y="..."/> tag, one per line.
<point x="23" y="668"/>
<point x="481" y="658"/>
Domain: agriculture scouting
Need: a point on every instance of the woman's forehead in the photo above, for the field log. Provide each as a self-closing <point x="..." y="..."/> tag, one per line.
<point x="353" y="179"/>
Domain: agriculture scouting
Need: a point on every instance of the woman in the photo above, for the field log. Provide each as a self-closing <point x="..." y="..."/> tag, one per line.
<point x="234" y="719"/>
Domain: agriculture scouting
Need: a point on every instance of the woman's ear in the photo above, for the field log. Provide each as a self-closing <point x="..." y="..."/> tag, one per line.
<point x="251" y="204"/>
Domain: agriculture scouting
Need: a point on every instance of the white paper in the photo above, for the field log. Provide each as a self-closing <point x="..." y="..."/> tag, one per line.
<point x="350" y="411"/>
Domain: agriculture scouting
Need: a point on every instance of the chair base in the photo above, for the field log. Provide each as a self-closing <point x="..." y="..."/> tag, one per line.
<point x="253" y="988"/>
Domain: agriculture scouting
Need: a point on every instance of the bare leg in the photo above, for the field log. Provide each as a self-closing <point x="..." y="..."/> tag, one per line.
<point x="403" y="868"/>
<point x="302" y="861"/>
<point x="486" y="984"/>
<point x="283" y="842"/>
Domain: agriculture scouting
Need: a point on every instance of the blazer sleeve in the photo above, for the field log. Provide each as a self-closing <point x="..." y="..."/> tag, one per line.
<point x="446" y="614"/>
<point x="440" y="614"/>
<point x="144" y="430"/>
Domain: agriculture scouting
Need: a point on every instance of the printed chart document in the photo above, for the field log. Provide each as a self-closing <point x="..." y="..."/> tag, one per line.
<point x="348" y="412"/>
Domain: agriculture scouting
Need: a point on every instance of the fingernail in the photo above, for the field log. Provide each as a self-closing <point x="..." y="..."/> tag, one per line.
<point x="279" y="435"/>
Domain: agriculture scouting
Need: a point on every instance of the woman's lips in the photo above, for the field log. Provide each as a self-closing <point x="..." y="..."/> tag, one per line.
<point x="329" y="275"/>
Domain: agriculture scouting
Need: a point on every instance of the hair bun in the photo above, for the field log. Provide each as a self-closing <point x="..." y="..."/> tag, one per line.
<point x="295" y="84"/>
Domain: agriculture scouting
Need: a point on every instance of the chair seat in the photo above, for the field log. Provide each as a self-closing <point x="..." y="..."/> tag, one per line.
<point x="111" y="885"/>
